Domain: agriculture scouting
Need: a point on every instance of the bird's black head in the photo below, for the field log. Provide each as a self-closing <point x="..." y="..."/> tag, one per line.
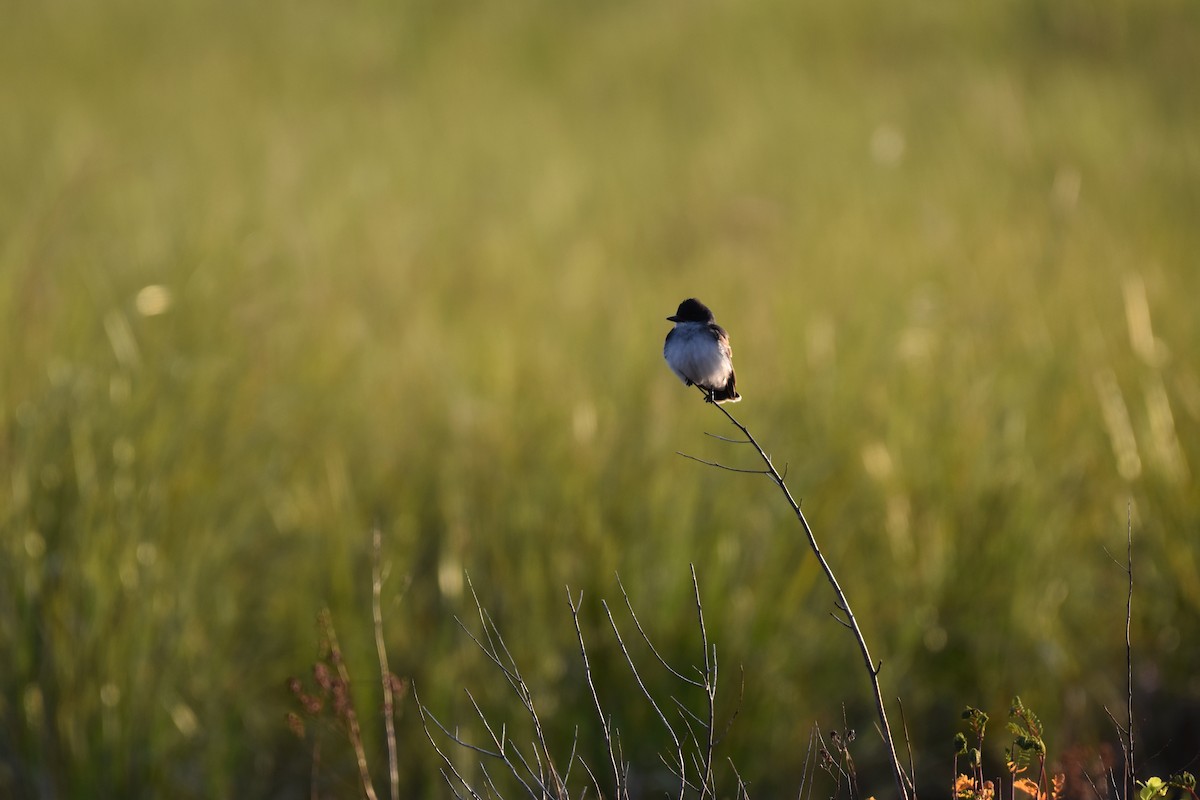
<point x="692" y="310"/>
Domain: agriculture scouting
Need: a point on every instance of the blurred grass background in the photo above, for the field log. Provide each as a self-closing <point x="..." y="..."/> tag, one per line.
<point x="273" y="271"/>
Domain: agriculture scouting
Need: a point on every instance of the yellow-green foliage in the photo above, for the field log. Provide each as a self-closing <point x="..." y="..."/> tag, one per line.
<point x="272" y="271"/>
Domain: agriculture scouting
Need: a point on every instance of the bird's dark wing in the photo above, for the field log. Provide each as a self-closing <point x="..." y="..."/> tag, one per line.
<point x="722" y="338"/>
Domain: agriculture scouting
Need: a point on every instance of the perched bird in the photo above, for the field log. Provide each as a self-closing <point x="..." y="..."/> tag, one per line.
<point x="697" y="350"/>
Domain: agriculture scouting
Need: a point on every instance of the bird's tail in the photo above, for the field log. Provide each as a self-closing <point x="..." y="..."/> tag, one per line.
<point x="727" y="393"/>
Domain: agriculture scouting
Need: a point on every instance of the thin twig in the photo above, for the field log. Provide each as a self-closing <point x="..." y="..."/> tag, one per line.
<point x="592" y="775"/>
<point x="1129" y="756"/>
<point x="546" y="772"/>
<point x="354" y="733"/>
<point x="723" y="466"/>
<point x="843" y="742"/>
<point x="912" y="767"/>
<point x="710" y="690"/>
<point x="605" y="724"/>
<point x="385" y="673"/>
<point x="541" y="769"/>
<point x="1095" y="788"/>
<point x="641" y="685"/>
<point x="810" y="762"/>
<point x="687" y="714"/>
<point x="572" y="758"/>
<point x="841" y="621"/>
<point x="738" y="708"/>
<point x="454" y="736"/>
<point x="741" y="785"/>
<point x="727" y="439"/>
<point x="842" y="602"/>
<point x="313" y="793"/>
<point x="536" y="770"/>
<point x="650" y="644"/>
<point x="500" y="755"/>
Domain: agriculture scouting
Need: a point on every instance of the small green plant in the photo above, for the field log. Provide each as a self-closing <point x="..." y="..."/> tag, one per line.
<point x="971" y="786"/>
<point x="1028" y="748"/>
<point x="1027" y="753"/>
<point x="1184" y="782"/>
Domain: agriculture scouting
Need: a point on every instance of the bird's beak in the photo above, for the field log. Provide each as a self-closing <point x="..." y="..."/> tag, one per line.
<point x="672" y="318"/>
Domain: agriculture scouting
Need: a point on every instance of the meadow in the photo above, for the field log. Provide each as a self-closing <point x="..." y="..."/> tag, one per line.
<point x="274" y="273"/>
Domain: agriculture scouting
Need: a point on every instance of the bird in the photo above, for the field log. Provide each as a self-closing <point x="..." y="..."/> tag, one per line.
<point x="697" y="350"/>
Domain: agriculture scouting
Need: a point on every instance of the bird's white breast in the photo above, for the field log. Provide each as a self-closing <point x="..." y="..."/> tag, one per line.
<point x="693" y="354"/>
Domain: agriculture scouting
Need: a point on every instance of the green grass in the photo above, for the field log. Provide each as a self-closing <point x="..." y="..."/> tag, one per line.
<point x="418" y="261"/>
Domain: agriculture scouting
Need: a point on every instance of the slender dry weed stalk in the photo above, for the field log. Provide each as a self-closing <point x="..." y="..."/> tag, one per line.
<point x="1125" y="732"/>
<point x="330" y="699"/>
<point x="391" y="685"/>
<point x="331" y="696"/>
<point x="903" y="783"/>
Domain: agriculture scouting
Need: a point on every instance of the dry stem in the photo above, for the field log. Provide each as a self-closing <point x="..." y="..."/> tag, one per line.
<point x="842" y="603"/>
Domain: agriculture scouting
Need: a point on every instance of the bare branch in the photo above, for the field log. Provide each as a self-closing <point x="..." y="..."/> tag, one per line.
<point x="810" y="763"/>
<point x="533" y="767"/>
<point x="641" y="685"/>
<point x="686" y="713"/>
<point x="453" y="736"/>
<point x="572" y="758"/>
<point x="1129" y="754"/>
<point x="592" y="775"/>
<point x="650" y="644"/>
<point x="425" y="717"/>
<point x="912" y="769"/>
<point x="723" y="466"/>
<point x="738" y="708"/>
<point x="389" y="707"/>
<point x="1095" y="788"/>
<point x="841" y="621"/>
<point x="742" y="792"/>
<point x="350" y="715"/>
<point x="486" y="649"/>
<point x="1114" y="559"/>
<point x="605" y="725"/>
<point x="842" y="602"/>
<point x="710" y="690"/>
<point x="727" y="439"/>
<point x="1121" y="729"/>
